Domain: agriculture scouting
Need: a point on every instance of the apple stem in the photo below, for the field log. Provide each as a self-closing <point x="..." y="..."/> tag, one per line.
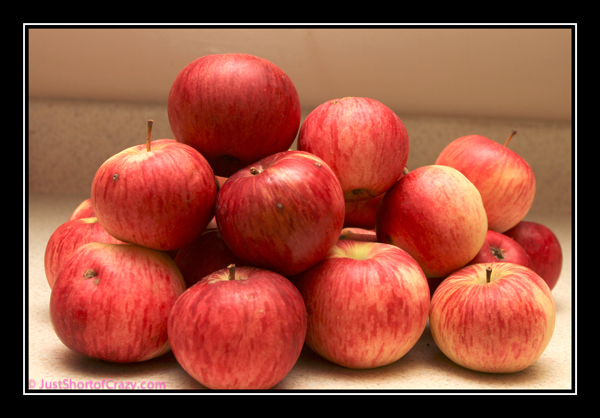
<point x="148" y="134"/>
<point x="231" y="268"/>
<point x="488" y="274"/>
<point x="512" y="133"/>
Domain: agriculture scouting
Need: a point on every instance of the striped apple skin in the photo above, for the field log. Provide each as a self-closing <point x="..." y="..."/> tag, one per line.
<point x="283" y="213"/>
<point x="112" y="301"/>
<point x="504" y="179"/>
<point x="502" y="326"/>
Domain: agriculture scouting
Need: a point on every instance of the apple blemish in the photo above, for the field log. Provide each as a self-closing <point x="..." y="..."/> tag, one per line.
<point x="497" y="252"/>
<point x="90" y="274"/>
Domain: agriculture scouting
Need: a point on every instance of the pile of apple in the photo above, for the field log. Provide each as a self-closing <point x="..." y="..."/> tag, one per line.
<point x="234" y="251"/>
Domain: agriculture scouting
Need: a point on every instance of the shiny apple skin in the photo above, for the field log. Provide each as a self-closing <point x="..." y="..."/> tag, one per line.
<point x="502" y="326"/>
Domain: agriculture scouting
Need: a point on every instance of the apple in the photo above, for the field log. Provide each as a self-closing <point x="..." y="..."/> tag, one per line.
<point x="367" y="304"/>
<point x="159" y="195"/>
<point x="493" y="317"/>
<point x="496" y="248"/>
<point x="283" y="213"/>
<point x="67" y="238"/>
<point x="235" y="109"/>
<point x="500" y="248"/>
<point x="112" y="301"/>
<point x="359" y="234"/>
<point x="543" y="247"/>
<point x="205" y="255"/>
<point x="504" y="179"/>
<point x="83" y="210"/>
<point x="363" y="141"/>
<point x="361" y="213"/>
<point x="436" y="215"/>
<point x="238" y="328"/>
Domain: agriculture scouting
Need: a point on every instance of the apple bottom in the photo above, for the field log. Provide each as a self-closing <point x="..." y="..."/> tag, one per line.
<point x="244" y="333"/>
<point x="500" y="326"/>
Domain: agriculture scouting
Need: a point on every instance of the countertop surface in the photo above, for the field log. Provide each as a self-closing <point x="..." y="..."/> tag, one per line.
<point x="423" y="369"/>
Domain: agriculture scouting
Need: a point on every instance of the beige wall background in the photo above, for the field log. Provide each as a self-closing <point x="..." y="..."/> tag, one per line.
<point x="91" y="90"/>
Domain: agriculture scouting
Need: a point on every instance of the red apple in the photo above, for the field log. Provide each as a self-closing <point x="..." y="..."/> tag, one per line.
<point x="363" y="141"/>
<point x="496" y="248"/>
<point x="504" y="179"/>
<point x="83" y="210"/>
<point x="67" y="238"/>
<point x="500" y="248"/>
<point x="112" y="301"/>
<point x="542" y="246"/>
<point x="235" y="109"/>
<point x="496" y="321"/>
<point x="283" y="213"/>
<point x="159" y="195"/>
<point x="361" y="213"/>
<point x="205" y="255"/>
<point x="367" y="304"/>
<point x="437" y="216"/>
<point x="238" y="328"/>
<point x="359" y="234"/>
